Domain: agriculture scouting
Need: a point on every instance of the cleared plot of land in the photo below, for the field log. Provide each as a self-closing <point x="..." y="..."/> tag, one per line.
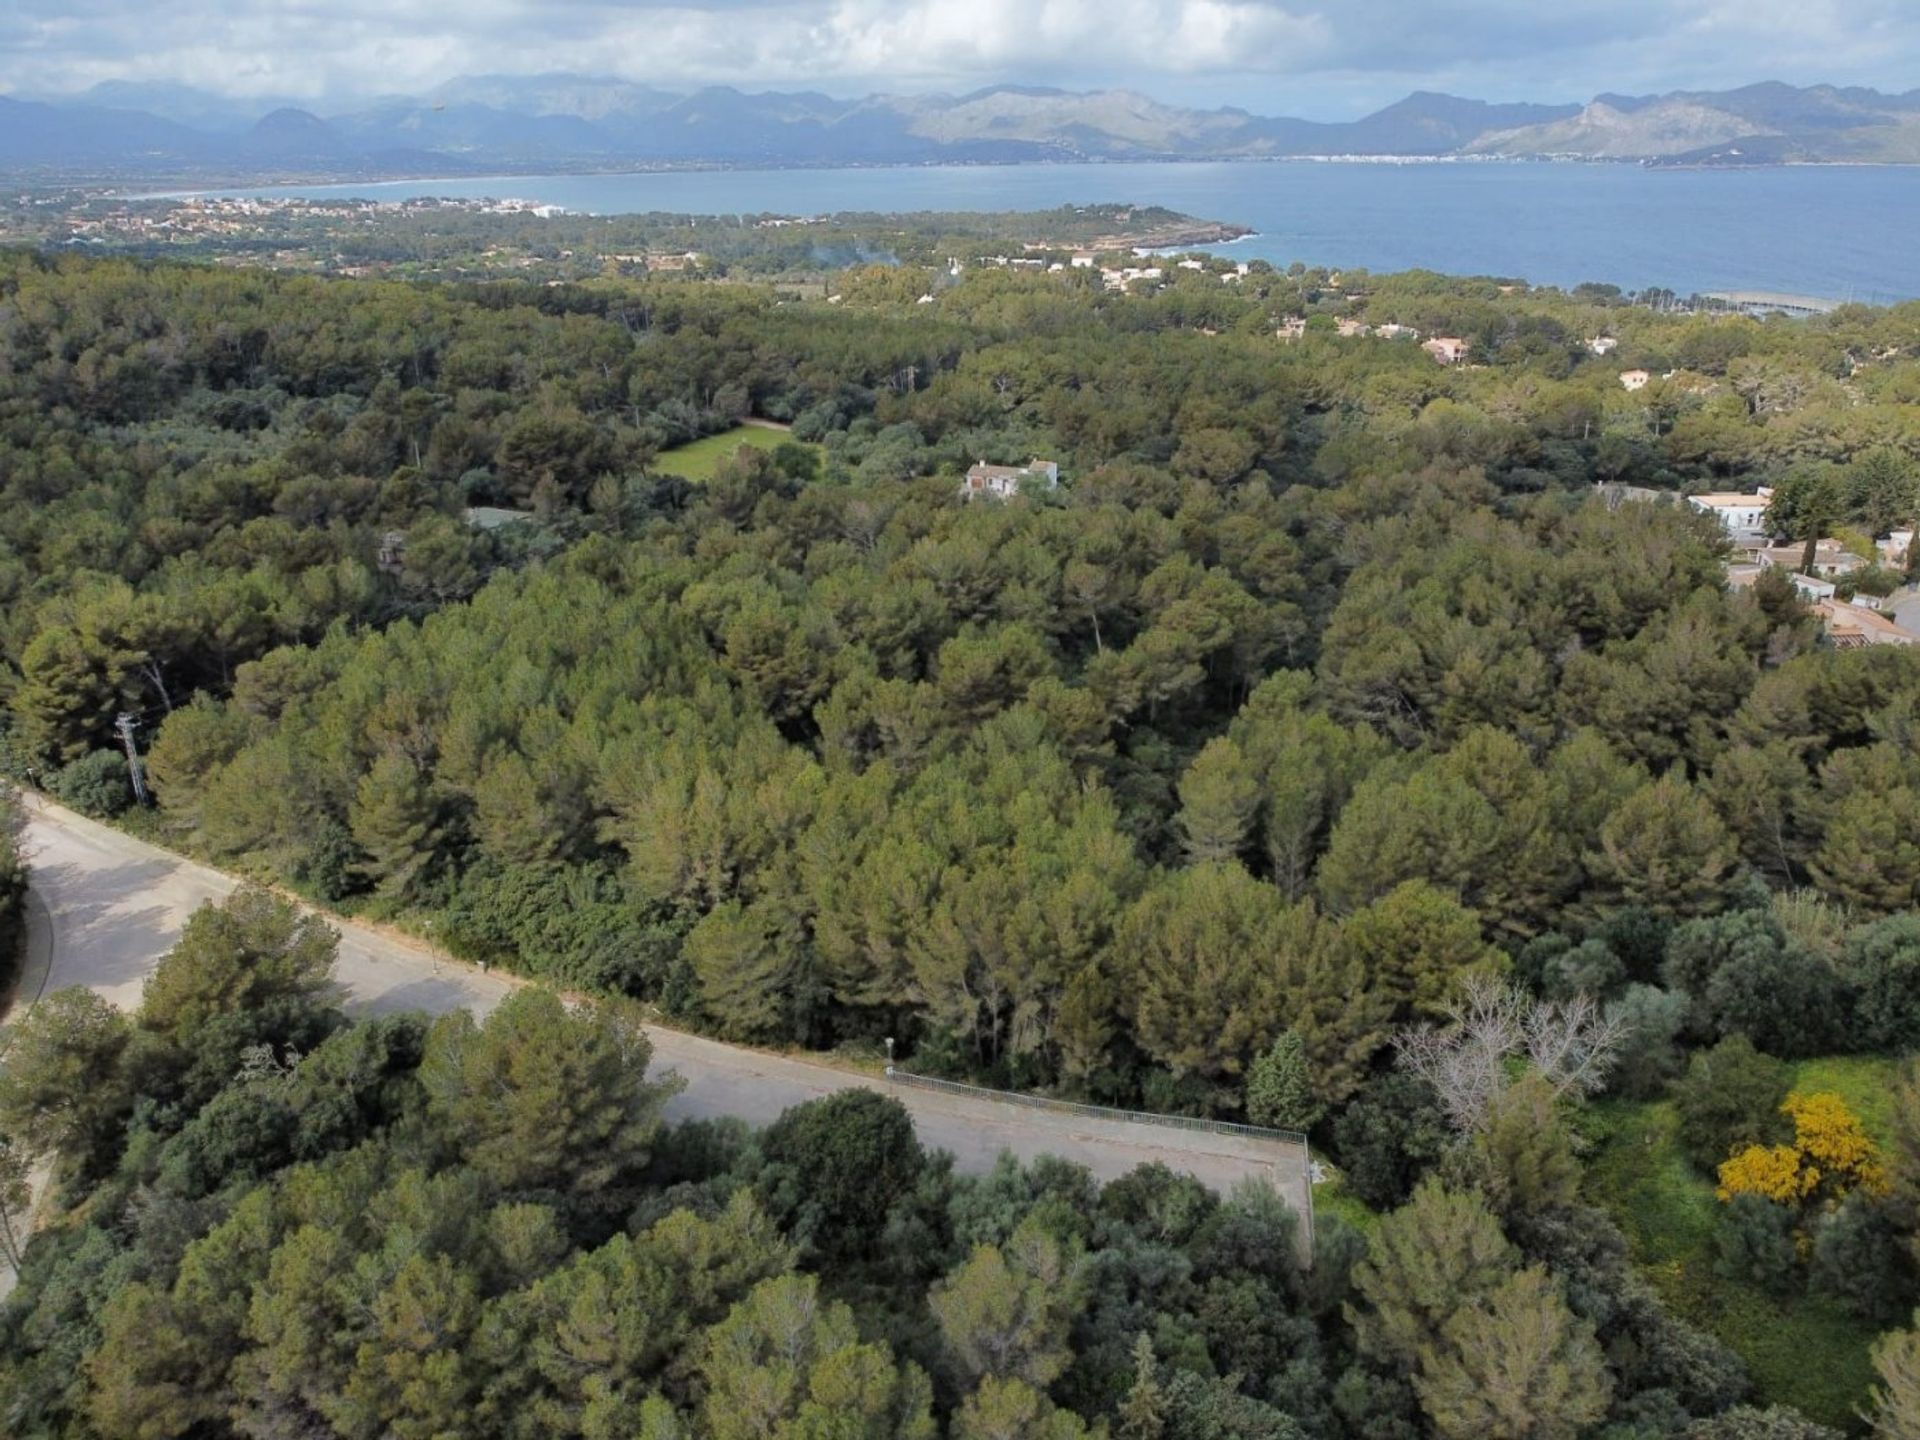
<point x="700" y="459"/>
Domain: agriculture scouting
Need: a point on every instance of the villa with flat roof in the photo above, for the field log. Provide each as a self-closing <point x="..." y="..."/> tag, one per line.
<point x="1003" y="482"/>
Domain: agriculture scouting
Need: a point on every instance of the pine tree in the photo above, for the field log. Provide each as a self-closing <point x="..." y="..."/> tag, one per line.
<point x="397" y="819"/>
<point x="1440" y="1252"/>
<point x="1006" y="1313"/>
<point x="1515" y="1365"/>
<point x="1279" y="1089"/>
<point x="543" y="1097"/>
<point x="1415" y="943"/>
<point x="1218" y="797"/>
<point x="1666" y="850"/>
<point x="1526" y="1151"/>
<point x="1143" y="1414"/>
<point x="785" y="1362"/>
<point x="1014" y="1410"/>
<point x="746" y="959"/>
<point x="1211" y="955"/>
<point x="1870" y="854"/>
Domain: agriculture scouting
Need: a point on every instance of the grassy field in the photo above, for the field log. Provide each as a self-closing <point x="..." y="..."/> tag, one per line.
<point x="699" y="460"/>
<point x="1804" y="1351"/>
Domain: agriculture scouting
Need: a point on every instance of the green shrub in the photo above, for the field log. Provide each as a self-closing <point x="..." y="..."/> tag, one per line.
<point x="95" y="784"/>
<point x="1755" y="1245"/>
<point x="1730" y="1097"/>
<point x="1648" y="1056"/>
<point x="1860" y="1260"/>
<point x="837" y="1165"/>
<point x="1882" y="962"/>
<point x="1388" y="1137"/>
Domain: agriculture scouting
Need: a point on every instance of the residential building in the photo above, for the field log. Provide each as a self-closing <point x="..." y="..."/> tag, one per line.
<point x="1896" y="551"/>
<point x="1830" y="559"/>
<point x="1603" y="344"/>
<point x="1635" y="379"/>
<point x="1740" y="514"/>
<point x="1447" y="349"/>
<point x="1614" y="494"/>
<point x="1350" y="328"/>
<point x="1850" y="627"/>
<point x="1003" y="482"/>
<point x="1392" y="331"/>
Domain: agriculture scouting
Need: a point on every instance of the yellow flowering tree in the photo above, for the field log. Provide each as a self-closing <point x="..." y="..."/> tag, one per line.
<point x="1774" y="1171"/>
<point x="1832" y="1137"/>
<point x="1831" y="1155"/>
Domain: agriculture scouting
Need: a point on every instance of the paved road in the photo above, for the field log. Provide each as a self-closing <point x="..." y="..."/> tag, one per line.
<point x="106" y="907"/>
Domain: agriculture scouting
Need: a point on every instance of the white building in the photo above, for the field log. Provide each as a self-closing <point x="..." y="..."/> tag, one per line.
<point x="1740" y="514"/>
<point x="1003" y="482"/>
<point x="1635" y="379"/>
<point x="1603" y="344"/>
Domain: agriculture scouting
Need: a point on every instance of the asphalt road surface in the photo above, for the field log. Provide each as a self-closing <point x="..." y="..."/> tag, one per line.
<point x="105" y="907"/>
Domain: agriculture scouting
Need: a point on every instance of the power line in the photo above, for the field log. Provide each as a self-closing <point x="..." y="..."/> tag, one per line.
<point x="125" y="726"/>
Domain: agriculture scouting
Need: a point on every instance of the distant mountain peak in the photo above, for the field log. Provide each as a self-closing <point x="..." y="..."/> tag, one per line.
<point x="563" y="120"/>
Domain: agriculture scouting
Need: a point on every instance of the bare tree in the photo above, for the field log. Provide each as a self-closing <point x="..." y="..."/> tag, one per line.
<point x="1465" y="1062"/>
<point x="1574" y="1044"/>
<point x="1489" y="1023"/>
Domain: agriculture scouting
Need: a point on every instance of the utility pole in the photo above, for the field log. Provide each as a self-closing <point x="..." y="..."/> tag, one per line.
<point x="125" y="726"/>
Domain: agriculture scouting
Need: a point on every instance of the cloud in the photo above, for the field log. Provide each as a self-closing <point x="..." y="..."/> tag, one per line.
<point x="1555" y="50"/>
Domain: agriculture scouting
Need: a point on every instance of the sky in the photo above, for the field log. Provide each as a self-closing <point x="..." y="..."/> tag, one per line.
<point x="1325" y="59"/>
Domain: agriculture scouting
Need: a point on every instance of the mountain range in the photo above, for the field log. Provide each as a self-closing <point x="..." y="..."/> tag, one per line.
<point x="488" y="123"/>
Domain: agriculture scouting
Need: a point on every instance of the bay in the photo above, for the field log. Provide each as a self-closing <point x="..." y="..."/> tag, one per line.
<point x="1837" y="232"/>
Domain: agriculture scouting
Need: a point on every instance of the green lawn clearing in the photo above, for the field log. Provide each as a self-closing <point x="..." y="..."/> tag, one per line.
<point x="1802" y="1351"/>
<point x="1333" y="1198"/>
<point x="699" y="460"/>
<point x="1865" y="1082"/>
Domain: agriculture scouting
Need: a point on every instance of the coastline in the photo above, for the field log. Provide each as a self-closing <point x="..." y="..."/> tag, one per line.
<point x="231" y="184"/>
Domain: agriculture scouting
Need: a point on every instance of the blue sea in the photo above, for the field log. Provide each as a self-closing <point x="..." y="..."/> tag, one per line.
<point x="1838" y="232"/>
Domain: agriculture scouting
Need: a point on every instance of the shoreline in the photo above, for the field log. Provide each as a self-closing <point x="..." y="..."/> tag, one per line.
<point x="231" y="186"/>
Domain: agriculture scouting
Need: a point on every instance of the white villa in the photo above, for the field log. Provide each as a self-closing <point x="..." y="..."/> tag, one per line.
<point x="1741" y="514"/>
<point x="1003" y="482"/>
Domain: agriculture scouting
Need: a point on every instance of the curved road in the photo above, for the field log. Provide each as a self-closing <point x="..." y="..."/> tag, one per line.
<point x="106" y="907"/>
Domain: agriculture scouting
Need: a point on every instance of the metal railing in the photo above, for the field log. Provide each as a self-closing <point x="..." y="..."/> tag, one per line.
<point x="1096" y="1112"/>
